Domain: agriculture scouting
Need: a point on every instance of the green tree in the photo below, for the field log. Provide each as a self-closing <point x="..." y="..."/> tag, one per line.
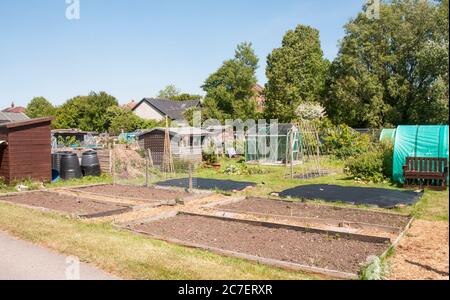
<point x="39" y="107"/>
<point x="86" y="112"/>
<point x="171" y="92"/>
<point x="392" y="70"/>
<point x="123" y="119"/>
<point x="187" y="97"/>
<point x="229" y="91"/>
<point x="296" y="73"/>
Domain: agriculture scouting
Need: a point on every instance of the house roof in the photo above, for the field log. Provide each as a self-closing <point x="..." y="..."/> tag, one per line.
<point x="26" y="122"/>
<point x="131" y="105"/>
<point x="15" y="109"/>
<point x="179" y="131"/>
<point x="173" y="109"/>
<point x="6" y="117"/>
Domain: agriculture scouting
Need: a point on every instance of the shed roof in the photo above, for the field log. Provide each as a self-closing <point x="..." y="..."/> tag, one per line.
<point x="178" y="131"/>
<point x="173" y="109"/>
<point x="27" y="122"/>
<point x="283" y="129"/>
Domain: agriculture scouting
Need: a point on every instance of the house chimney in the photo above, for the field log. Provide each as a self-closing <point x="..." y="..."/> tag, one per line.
<point x="13" y="105"/>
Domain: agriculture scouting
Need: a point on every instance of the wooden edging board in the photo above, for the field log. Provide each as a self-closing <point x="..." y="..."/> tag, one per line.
<point x="332" y="222"/>
<point x="397" y="241"/>
<point x="333" y="206"/>
<point x="351" y="236"/>
<point x="252" y="258"/>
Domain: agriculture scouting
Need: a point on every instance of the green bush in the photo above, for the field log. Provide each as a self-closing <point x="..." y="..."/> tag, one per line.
<point x="210" y="158"/>
<point x="372" y="166"/>
<point x="233" y="170"/>
<point x="242" y="169"/>
<point x="3" y="185"/>
<point x="343" y="142"/>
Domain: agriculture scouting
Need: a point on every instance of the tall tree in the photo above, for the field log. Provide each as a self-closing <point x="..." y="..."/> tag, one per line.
<point x="392" y="70"/>
<point x="229" y="91"/>
<point x="171" y="92"/>
<point x="86" y="112"/>
<point x="296" y="73"/>
<point x="40" y="107"/>
<point x="123" y="119"/>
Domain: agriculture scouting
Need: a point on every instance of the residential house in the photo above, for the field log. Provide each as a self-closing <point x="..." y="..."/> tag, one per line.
<point x="130" y="105"/>
<point x="159" y="109"/>
<point x="260" y="99"/>
<point x="15" y="109"/>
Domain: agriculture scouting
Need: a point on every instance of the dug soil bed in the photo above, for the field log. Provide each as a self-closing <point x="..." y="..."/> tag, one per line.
<point x="282" y="244"/>
<point x="313" y="211"/>
<point x="423" y="254"/>
<point x="135" y="192"/>
<point x="67" y="204"/>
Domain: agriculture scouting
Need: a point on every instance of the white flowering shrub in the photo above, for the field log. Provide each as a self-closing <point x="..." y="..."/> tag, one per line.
<point x="310" y="111"/>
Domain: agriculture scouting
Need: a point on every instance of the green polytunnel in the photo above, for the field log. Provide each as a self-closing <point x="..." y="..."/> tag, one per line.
<point x="418" y="141"/>
<point x="388" y="135"/>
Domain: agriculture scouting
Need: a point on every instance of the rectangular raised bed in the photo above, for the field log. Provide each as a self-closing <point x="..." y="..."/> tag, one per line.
<point x="139" y="194"/>
<point x="316" y="213"/>
<point x="84" y="208"/>
<point x="330" y="253"/>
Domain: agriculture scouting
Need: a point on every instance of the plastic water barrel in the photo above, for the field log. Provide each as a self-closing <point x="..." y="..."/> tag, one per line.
<point x="70" y="166"/>
<point x="56" y="164"/>
<point x="90" y="165"/>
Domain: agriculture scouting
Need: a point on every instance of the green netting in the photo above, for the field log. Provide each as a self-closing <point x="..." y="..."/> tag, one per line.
<point x="388" y="135"/>
<point x="418" y="141"/>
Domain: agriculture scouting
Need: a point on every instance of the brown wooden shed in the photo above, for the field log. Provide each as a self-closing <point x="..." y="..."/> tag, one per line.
<point x="25" y="150"/>
<point x="186" y="143"/>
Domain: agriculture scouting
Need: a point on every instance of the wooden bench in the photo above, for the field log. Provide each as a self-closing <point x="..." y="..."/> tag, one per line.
<point x="430" y="172"/>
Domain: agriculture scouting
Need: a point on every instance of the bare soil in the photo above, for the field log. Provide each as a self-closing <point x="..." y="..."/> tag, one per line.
<point x="62" y="203"/>
<point x="312" y="249"/>
<point x="313" y="211"/>
<point x="136" y="192"/>
<point x="423" y="254"/>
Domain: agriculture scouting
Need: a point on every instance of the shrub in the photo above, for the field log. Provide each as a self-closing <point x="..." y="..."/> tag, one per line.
<point x="3" y="185"/>
<point x="245" y="170"/>
<point x="233" y="170"/>
<point x="343" y="142"/>
<point x="372" y="166"/>
<point x="210" y="158"/>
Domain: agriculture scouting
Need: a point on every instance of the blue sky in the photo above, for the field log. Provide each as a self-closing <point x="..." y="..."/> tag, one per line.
<point x="133" y="48"/>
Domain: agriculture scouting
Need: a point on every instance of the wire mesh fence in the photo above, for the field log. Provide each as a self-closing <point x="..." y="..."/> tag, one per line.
<point x="134" y="165"/>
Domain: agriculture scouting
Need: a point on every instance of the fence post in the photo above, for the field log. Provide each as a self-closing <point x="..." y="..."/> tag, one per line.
<point x="191" y="186"/>
<point x="146" y="169"/>
<point x="114" y="162"/>
<point x="291" y="153"/>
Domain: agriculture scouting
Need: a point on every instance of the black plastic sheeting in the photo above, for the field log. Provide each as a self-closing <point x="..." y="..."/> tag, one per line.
<point x="383" y="198"/>
<point x="208" y="184"/>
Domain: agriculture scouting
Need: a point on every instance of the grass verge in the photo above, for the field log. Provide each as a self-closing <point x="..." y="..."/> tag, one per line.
<point x="127" y="255"/>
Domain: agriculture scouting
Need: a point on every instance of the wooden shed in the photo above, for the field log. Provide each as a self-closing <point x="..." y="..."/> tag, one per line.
<point x="186" y="143"/>
<point x="25" y="150"/>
